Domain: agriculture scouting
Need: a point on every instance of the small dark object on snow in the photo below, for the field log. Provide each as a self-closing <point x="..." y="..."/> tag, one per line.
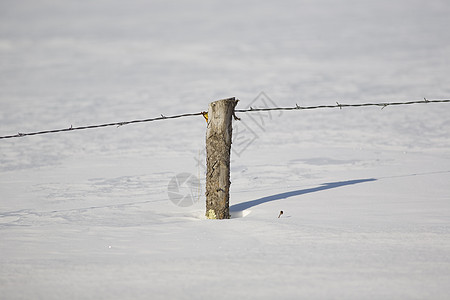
<point x="281" y="212"/>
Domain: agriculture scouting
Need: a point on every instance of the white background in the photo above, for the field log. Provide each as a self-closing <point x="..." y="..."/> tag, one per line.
<point x="365" y="192"/>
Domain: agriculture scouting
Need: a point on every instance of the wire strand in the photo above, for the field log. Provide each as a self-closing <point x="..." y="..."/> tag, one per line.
<point x="339" y="105"/>
<point x="162" y="117"/>
<point x="118" y="124"/>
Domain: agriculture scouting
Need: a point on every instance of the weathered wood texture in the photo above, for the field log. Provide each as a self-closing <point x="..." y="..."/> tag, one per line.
<point x="218" y="146"/>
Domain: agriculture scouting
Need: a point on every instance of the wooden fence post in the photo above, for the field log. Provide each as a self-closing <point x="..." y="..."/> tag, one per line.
<point x="218" y="146"/>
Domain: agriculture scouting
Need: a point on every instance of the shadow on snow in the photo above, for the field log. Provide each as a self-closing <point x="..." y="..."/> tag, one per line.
<point x="325" y="186"/>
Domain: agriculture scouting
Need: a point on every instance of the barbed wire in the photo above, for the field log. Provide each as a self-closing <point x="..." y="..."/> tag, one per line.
<point x="203" y="113"/>
<point x="340" y="106"/>
<point x="118" y="124"/>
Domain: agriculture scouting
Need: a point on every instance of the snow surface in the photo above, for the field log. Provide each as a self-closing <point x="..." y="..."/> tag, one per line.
<point x="365" y="192"/>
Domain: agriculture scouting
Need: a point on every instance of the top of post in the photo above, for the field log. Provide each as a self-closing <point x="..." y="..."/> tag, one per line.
<point x="226" y="100"/>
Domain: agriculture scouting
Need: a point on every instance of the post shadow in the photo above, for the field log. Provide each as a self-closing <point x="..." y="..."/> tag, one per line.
<point x="325" y="186"/>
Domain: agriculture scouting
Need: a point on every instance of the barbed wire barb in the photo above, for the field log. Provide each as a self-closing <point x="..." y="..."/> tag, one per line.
<point x="250" y="109"/>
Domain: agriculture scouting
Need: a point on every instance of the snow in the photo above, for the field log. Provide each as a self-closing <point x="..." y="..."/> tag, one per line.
<point x="364" y="191"/>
